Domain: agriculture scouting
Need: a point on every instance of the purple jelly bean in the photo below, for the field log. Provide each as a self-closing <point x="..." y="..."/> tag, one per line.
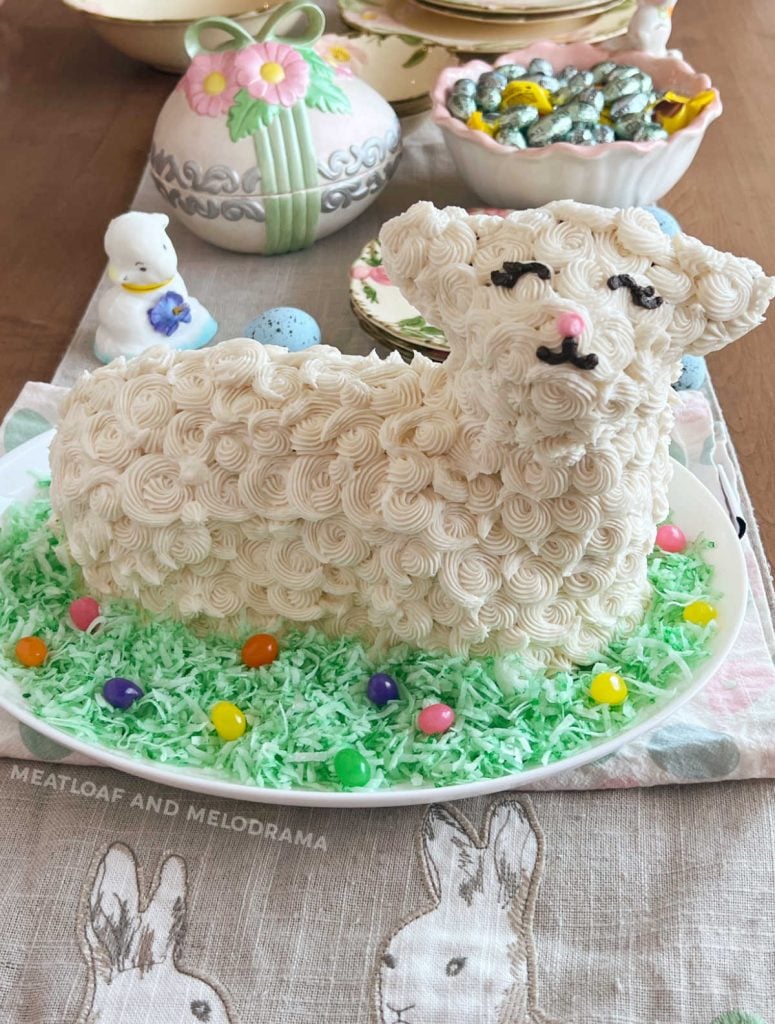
<point x="121" y="693"/>
<point x="382" y="688"/>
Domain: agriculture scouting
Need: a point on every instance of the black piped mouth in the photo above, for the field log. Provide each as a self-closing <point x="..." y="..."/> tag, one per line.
<point x="569" y="353"/>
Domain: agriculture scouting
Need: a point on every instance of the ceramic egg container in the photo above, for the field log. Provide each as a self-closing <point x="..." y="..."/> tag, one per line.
<point x="264" y="147"/>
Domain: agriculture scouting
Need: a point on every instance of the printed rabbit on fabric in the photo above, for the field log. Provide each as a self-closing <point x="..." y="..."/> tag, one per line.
<point x="133" y="951"/>
<point x="470" y="955"/>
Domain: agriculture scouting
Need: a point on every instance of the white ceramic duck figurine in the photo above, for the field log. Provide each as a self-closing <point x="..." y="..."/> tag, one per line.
<point x="148" y="304"/>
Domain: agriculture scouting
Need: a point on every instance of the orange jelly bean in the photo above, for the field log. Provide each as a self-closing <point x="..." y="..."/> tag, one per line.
<point x="31" y="651"/>
<point x="260" y="649"/>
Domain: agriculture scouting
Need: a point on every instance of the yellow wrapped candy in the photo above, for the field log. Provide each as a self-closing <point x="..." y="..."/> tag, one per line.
<point x="478" y="123"/>
<point x="528" y="93"/>
<point x="690" y="107"/>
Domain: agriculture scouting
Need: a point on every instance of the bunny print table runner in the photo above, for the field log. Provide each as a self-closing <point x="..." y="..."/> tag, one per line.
<point x="125" y="903"/>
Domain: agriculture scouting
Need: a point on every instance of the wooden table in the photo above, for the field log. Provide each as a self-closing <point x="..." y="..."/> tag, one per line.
<point x="75" y="123"/>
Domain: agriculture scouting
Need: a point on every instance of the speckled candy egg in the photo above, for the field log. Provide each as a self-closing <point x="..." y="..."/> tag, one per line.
<point x="292" y="328"/>
<point x="263" y="147"/>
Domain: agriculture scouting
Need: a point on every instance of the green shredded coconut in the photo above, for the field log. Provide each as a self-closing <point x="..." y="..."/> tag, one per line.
<point x="311" y="701"/>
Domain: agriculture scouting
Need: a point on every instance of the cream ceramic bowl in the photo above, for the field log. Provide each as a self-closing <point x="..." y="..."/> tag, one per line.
<point x="140" y="30"/>
<point x="610" y="174"/>
<point x="400" y="68"/>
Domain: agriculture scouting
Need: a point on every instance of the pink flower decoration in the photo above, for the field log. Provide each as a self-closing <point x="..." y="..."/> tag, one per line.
<point x="272" y="72"/>
<point x="361" y="272"/>
<point x="379" y="275"/>
<point x="209" y="83"/>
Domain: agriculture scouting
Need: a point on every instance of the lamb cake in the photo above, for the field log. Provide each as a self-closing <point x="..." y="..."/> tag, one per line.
<point x="498" y="508"/>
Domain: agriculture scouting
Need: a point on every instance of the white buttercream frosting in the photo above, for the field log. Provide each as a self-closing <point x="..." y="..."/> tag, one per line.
<point x="493" y="503"/>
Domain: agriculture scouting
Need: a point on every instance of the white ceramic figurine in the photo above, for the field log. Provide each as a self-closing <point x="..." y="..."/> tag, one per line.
<point x="649" y="29"/>
<point x="148" y="304"/>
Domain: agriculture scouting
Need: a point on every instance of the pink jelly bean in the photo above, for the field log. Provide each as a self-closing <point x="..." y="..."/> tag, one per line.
<point x="570" y="325"/>
<point x="671" y="538"/>
<point x="435" y="718"/>
<point x="83" y="611"/>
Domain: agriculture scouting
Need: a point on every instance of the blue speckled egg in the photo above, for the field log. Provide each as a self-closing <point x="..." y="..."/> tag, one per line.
<point x="666" y="220"/>
<point x="693" y="370"/>
<point x="292" y="328"/>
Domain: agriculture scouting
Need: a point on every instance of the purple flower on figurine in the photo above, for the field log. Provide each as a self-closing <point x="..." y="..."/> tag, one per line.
<point x="169" y="313"/>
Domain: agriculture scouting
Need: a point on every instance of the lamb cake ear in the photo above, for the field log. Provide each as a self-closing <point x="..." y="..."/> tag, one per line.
<point x="427" y="253"/>
<point x="729" y="297"/>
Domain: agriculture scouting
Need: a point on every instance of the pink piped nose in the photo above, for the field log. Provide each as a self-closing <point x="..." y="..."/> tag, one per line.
<point x="570" y="325"/>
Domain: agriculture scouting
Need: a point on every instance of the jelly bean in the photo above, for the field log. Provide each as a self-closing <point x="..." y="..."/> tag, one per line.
<point x="460" y="105"/>
<point x="465" y="86"/>
<point x="632" y="104"/>
<point x="671" y="538"/>
<point x="382" y="688"/>
<point x="83" y="611"/>
<point x="121" y="693"/>
<point x="552" y="128"/>
<point x="511" y="71"/>
<point x="509" y="135"/>
<point x="31" y="651"/>
<point x="229" y="722"/>
<point x="650" y="133"/>
<point x="539" y="66"/>
<point x="700" y="613"/>
<point x="608" y="688"/>
<point x="520" y="116"/>
<point x="260" y="649"/>
<point x="436" y="718"/>
<point x="488" y="100"/>
<point x="351" y="767"/>
<point x="600" y="72"/>
<point x="582" y="113"/>
<point x="478" y="124"/>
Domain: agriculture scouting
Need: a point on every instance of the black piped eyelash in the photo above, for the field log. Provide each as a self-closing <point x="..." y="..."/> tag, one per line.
<point x="642" y="295"/>
<point x="512" y="271"/>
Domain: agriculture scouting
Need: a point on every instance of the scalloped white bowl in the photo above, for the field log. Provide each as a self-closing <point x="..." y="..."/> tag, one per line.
<point x="610" y="174"/>
<point x="152" y="31"/>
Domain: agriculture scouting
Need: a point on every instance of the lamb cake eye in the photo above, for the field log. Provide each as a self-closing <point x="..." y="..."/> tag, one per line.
<point x="512" y="271"/>
<point x="642" y="295"/>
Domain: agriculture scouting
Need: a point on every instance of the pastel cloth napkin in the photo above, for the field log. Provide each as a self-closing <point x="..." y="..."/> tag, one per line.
<point x="727" y="732"/>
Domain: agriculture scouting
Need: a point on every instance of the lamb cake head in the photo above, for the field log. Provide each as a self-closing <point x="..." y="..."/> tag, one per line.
<point x="567" y="323"/>
<point x="503" y="501"/>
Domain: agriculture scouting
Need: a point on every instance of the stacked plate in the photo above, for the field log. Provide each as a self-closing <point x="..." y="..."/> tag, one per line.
<point x="492" y="26"/>
<point x="384" y="313"/>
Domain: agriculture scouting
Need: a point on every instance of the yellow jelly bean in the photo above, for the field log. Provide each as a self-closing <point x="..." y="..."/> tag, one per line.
<point x="530" y="93"/>
<point x="478" y="123"/>
<point x="700" y="613"/>
<point x="229" y="721"/>
<point x="608" y="688"/>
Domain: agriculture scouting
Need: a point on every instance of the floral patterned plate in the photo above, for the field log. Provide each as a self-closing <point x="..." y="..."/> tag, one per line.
<point x="398" y="17"/>
<point x="385" y="314"/>
<point x="403" y="69"/>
